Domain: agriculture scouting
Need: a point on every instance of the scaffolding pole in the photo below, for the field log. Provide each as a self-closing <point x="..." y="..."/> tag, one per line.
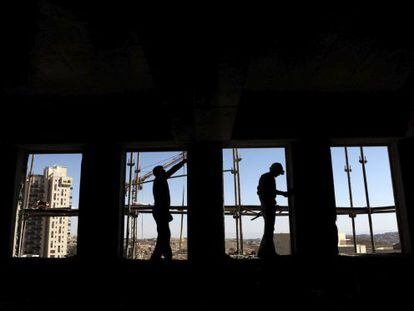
<point x="352" y="215"/>
<point x="182" y="215"/>
<point x="239" y="212"/>
<point x="130" y="164"/>
<point x="235" y="215"/>
<point x="135" y="200"/>
<point x="25" y="205"/>
<point x="363" y="161"/>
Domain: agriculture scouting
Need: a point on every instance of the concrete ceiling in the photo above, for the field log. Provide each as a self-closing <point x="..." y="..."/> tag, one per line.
<point x="202" y="68"/>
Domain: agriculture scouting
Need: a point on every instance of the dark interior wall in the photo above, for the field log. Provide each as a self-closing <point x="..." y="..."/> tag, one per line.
<point x="145" y="117"/>
<point x="267" y="115"/>
<point x="80" y="119"/>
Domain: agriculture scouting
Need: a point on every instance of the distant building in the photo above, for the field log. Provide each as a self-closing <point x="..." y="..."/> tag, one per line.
<point x="346" y="246"/>
<point x="48" y="236"/>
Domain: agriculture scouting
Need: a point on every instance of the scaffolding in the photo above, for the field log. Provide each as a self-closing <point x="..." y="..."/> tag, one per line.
<point x="368" y="210"/>
<point x="133" y="209"/>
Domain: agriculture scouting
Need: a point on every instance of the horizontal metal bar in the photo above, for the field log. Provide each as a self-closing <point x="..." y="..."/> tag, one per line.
<point x="51" y="212"/>
<point x="139" y="207"/>
<point x="365" y="210"/>
<point x="248" y="210"/>
<point x="227" y="213"/>
<point x="253" y="210"/>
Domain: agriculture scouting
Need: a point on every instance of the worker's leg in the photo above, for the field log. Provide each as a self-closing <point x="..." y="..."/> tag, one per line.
<point x="261" y="253"/>
<point x="270" y="244"/>
<point x="167" y="247"/>
<point x="267" y="246"/>
<point x="163" y="241"/>
<point x="156" y="254"/>
<point x="262" y="248"/>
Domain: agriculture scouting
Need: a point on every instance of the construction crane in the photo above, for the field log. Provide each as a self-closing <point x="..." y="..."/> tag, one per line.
<point x="139" y="180"/>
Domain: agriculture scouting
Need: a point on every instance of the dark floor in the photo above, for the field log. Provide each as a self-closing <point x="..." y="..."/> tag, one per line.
<point x="340" y="283"/>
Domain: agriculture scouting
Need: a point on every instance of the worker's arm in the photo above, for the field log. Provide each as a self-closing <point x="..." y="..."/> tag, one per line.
<point x="284" y="193"/>
<point x="175" y="168"/>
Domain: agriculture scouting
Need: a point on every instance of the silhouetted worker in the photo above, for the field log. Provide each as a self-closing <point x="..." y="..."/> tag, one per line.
<point x="267" y="194"/>
<point x="161" y="210"/>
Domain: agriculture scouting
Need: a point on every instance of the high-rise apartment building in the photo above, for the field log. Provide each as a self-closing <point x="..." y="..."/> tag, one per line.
<point x="48" y="236"/>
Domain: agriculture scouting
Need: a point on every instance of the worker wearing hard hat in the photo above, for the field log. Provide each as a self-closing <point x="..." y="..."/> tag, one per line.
<point x="267" y="194"/>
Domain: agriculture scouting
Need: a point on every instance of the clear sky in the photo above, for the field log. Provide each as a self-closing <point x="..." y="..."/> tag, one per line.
<point x="380" y="188"/>
<point x="255" y="162"/>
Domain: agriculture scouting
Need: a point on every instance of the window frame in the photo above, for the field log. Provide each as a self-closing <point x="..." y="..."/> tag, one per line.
<point x="280" y="143"/>
<point x="396" y="179"/>
<point x="126" y="148"/>
<point x="23" y="153"/>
